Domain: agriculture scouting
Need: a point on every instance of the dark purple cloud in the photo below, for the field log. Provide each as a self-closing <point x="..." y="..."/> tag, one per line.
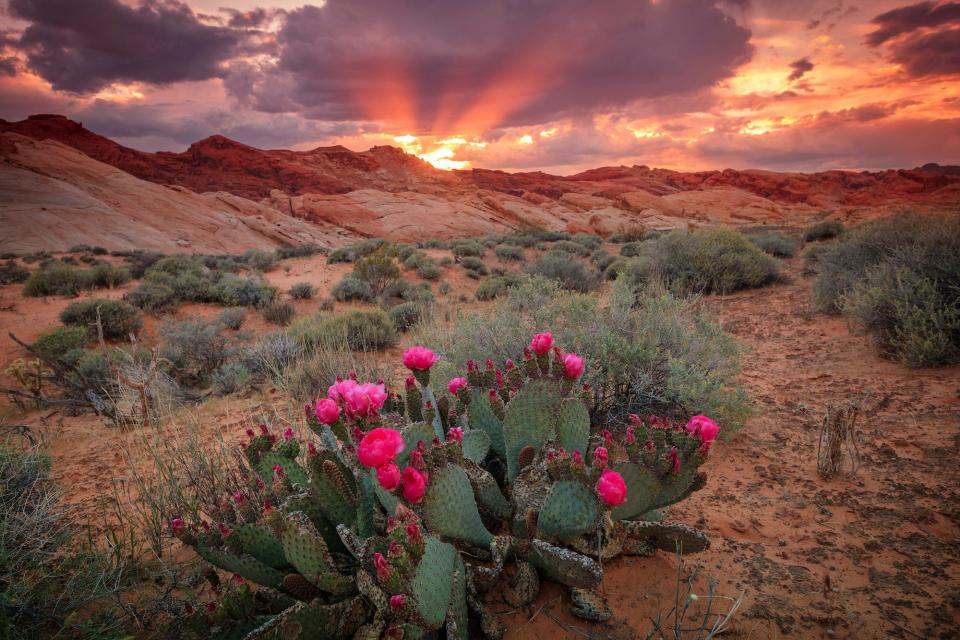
<point x="84" y="46"/>
<point x="535" y="61"/>
<point x="923" y="37"/>
<point x="800" y="68"/>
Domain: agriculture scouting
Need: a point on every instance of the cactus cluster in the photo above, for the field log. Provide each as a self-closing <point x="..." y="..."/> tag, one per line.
<point x="397" y="518"/>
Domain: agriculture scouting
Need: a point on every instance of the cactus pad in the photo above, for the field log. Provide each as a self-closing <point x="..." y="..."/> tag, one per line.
<point x="476" y="445"/>
<point x="480" y="416"/>
<point x="570" y="510"/>
<point x="563" y="565"/>
<point x="449" y="507"/>
<point x="294" y="472"/>
<point x="530" y="420"/>
<point x="573" y="425"/>
<point x="245" y="565"/>
<point x="308" y="553"/>
<point x="433" y="581"/>
<point x="666" y="536"/>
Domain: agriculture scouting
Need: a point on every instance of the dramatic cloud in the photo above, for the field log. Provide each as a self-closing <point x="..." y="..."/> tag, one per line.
<point x="459" y="66"/>
<point x="85" y="46"/>
<point x="800" y="68"/>
<point x="923" y="37"/>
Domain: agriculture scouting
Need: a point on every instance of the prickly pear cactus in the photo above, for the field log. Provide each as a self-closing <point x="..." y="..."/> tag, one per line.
<point x="398" y="514"/>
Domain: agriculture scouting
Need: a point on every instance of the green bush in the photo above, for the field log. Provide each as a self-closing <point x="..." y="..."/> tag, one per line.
<point x="565" y="269"/>
<point x="53" y="582"/>
<point x="406" y="315"/>
<point x="58" y="279"/>
<point x="471" y="263"/>
<point x="351" y="288"/>
<point x="468" y="248"/>
<point x="428" y="270"/>
<point x="13" y="273"/>
<point x="230" y="378"/>
<point x="118" y="319"/>
<point x="232" y="317"/>
<point x="651" y="353"/>
<point x="602" y="259"/>
<point x="571" y="247"/>
<point x="588" y="240"/>
<point x="259" y="260"/>
<point x="493" y="287"/>
<point x="823" y="230"/>
<point x="238" y="291"/>
<point x="704" y="261"/>
<point x="299" y="251"/>
<point x="91" y="370"/>
<point x="898" y="279"/>
<point x="279" y="312"/>
<point x="302" y="291"/>
<point x="55" y="344"/>
<point x="378" y="270"/>
<point x="359" y="330"/>
<point x="194" y="348"/>
<point x="153" y="297"/>
<point x="104" y="275"/>
<point x="443" y="288"/>
<point x="776" y="244"/>
<point x="633" y="233"/>
<point x="355" y="251"/>
<point x="509" y="253"/>
<point x="632" y="249"/>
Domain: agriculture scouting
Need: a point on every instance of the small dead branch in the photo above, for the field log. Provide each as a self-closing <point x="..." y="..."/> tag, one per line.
<point x="837" y="451"/>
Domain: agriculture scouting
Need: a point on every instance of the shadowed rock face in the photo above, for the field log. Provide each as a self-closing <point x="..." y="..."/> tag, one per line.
<point x="343" y="194"/>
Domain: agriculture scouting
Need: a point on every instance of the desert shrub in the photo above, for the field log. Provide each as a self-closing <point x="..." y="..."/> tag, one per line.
<point x="53" y="345"/>
<point x="187" y="276"/>
<point x="898" y="279"/>
<point x="225" y="263"/>
<point x="118" y="319"/>
<point x="428" y="270"/>
<point x="279" y="312"/>
<point x="703" y="261"/>
<point x="378" y="270"/>
<point x="301" y="291"/>
<point x="776" y="244"/>
<point x="509" y="253"/>
<point x="632" y="249"/>
<point x="468" y="248"/>
<point x="471" y="263"/>
<point x="571" y="247"/>
<point x="356" y="251"/>
<point x="259" y="260"/>
<point x="443" y="288"/>
<point x="542" y="235"/>
<point x="327" y="304"/>
<point x="445" y="261"/>
<point x="232" y="317"/>
<point x="53" y="582"/>
<point x="588" y="240"/>
<point x="602" y="260"/>
<point x="413" y="259"/>
<point x="433" y="243"/>
<point x="650" y="353"/>
<point x="153" y="297"/>
<point x="54" y="279"/>
<point x="103" y="275"/>
<point x="406" y="315"/>
<point x="299" y="251"/>
<point x="351" y="288"/>
<point x="138" y="261"/>
<point x="359" y="330"/>
<point x="239" y="291"/>
<point x="823" y="230"/>
<point x="565" y="269"/>
<point x="495" y="286"/>
<point x="13" y="273"/>
<point x="91" y="369"/>
<point x="271" y="355"/>
<point x="520" y="240"/>
<point x="194" y="348"/>
<point x="230" y="378"/>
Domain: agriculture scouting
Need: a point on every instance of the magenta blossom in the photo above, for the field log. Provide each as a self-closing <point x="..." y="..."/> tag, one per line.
<point x="572" y="366"/>
<point x="600" y="457"/>
<point x="414" y="535"/>
<point x="327" y="411"/>
<point x="388" y="476"/>
<point x="419" y="358"/>
<point x="177" y="525"/>
<point x="414" y="485"/>
<point x="379" y="447"/>
<point x="339" y="389"/>
<point x="456" y="384"/>
<point x="455" y="434"/>
<point x="703" y="427"/>
<point x="364" y="400"/>
<point x="542" y="343"/>
<point x="397" y="601"/>
<point x="611" y="488"/>
<point x="382" y="566"/>
<point x="288" y="433"/>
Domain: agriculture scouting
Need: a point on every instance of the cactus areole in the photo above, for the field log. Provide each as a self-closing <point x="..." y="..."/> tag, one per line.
<point x="402" y="512"/>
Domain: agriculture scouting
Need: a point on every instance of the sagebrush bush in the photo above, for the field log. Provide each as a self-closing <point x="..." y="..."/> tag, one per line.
<point x="279" y="312"/>
<point x="230" y="378"/>
<point x="571" y="247"/>
<point x="898" y="279"/>
<point x="118" y="319"/>
<point x="703" y="261"/>
<point x="443" y="288"/>
<point x="53" y="583"/>
<point x="55" y="344"/>
<point x="359" y="330"/>
<point x="153" y="297"/>
<point x="472" y="263"/>
<point x="406" y="315"/>
<point x="271" y="355"/>
<point x="646" y="353"/>
<point x="237" y="291"/>
<point x="493" y="287"/>
<point x="468" y="248"/>
<point x="299" y="251"/>
<point x="194" y="348"/>
<point x="302" y="291"/>
<point x="589" y="240"/>
<point x="565" y="269"/>
<point x="509" y="253"/>
<point x="428" y="270"/>
<point x="232" y="317"/>
<point x="13" y="273"/>
<point x="350" y="288"/>
<point x="56" y="278"/>
<point x="631" y="249"/>
<point x="776" y="244"/>
<point x="355" y="251"/>
<point x="823" y="230"/>
<point x="632" y="233"/>
<point x="259" y="260"/>
<point x="378" y="270"/>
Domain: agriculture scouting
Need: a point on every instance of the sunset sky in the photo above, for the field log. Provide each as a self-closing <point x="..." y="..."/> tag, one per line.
<point x="552" y="85"/>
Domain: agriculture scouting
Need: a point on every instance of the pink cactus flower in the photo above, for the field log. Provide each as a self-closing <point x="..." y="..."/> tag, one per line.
<point x="211" y="606"/>
<point x="509" y="365"/>
<point x="489" y="364"/>
<point x="250" y="433"/>
<point x="264" y="430"/>
<point x="339" y="389"/>
<point x="267" y="506"/>
<point x="394" y="550"/>
<point x="455" y="434"/>
<point x="225" y="530"/>
<point x="572" y="366"/>
<point x="419" y="358"/>
<point x="365" y="400"/>
<point x="327" y="411"/>
<point x="611" y="488"/>
<point x="311" y="449"/>
<point x="239" y="497"/>
<point x="388" y="476"/>
<point x="703" y="427"/>
<point x="397" y="601"/>
<point x="600" y="457"/>
<point x="471" y="365"/>
<point x="414" y="485"/>
<point x="288" y="433"/>
<point x="674" y="457"/>
<point x="416" y="459"/>
<point x="379" y="447"/>
<point x="456" y="384"/>
<point x="382" y="566"/>
<point x="551" y="456"/>
<point x="177" y="525"/>
<point x="542" y="343"/>
<point x="631" y="435"/>
<point x="410" y="383"/>
<point x="414" y="535"/>
<point x="498" y="376"/>
<point x="607" y="436"/>
<point x="576" y="459"/>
